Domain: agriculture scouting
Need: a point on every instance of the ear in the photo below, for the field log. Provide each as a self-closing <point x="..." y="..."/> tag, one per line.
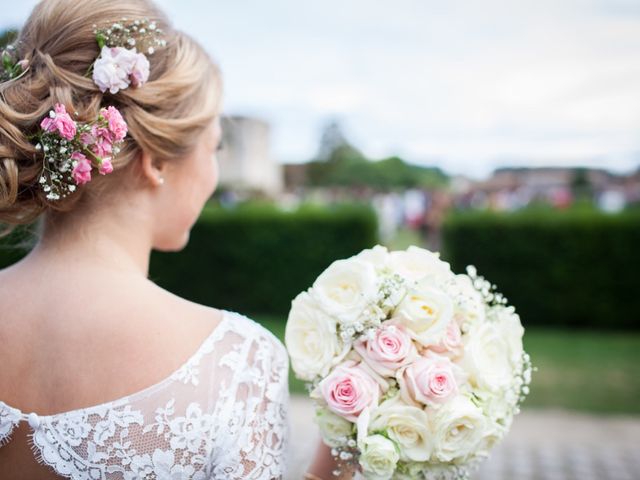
<point x="153" y="170"/>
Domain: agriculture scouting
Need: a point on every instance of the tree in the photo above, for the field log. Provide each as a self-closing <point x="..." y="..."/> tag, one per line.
<point x="7" y="37"/>
<point x="581" y="187"/>
<point x="334" y="145"/>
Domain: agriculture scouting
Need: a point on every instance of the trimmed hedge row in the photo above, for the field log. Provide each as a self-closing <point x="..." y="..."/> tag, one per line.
<point x="16" y="245"/>
<point x="570" y="269"/>
<point x="257" y="259"/>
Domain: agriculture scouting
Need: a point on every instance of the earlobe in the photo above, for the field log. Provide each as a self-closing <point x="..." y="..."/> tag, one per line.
<point x="152" y="171"/>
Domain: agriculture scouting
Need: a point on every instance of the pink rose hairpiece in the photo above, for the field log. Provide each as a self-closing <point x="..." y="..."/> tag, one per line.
<point x="71" y="149"/>
<point x="124" y="47"/>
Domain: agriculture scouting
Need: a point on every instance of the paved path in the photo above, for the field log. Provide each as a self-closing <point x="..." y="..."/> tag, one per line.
<point x="542" y="445"/>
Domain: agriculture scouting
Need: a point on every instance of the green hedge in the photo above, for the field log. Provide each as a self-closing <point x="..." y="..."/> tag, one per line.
<point x="257" y="259"/>
<point x="16" y="245"/>
<point x="557" y="268"/>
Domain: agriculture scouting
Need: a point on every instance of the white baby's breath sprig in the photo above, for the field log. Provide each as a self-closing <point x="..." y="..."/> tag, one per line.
<point x="488" y="291"/>
<point x="143" y="34"/>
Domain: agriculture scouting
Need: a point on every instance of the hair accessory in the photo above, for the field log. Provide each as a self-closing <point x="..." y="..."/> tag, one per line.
<point x="122" y="61"/>
<point x="11" y="67"/>
<point x="70" y="148"/>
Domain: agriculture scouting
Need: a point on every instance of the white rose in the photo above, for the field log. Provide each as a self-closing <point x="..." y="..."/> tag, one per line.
<point x="378" y="457"/>
<point x="345" y="289"/>
<point x="469" y="306"/>
<point x="492" y="436"/>
<point x="416" y="263"/>
<point x="508" y="323"/>
<point x="334" y="429"/>
<point x="487" y="357"/>
<point x="497" y="406"/>
<point x="406" y="425"/>
<point x="377" y="256"/>
<point x="426" y="311"/>
<point x="311" y="338"/>
<point x="458" y="428"/>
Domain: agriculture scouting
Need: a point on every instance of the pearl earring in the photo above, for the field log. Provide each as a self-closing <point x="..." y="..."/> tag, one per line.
<point x="161" y="180"/>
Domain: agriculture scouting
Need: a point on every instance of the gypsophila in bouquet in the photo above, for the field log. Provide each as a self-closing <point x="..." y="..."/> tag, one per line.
<point x="416" y="372"/>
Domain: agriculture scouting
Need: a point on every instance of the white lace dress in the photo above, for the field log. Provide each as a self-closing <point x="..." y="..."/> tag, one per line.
<point x="221" y="415"/>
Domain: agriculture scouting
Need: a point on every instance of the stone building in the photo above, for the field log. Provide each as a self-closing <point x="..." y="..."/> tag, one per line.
<point x="246" y="163"/>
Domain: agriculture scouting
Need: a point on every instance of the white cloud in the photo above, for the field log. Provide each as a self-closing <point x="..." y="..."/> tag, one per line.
<point x="471" y="84"/>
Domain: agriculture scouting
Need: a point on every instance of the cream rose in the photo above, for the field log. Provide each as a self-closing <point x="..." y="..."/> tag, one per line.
<point x="469" y="307"/>
<point x="508" y="323"/>
<point x="334" y="429"/>
<point x="377" y="256"/>
<point x="426" y="312"/>
<point x="378" y="457"/>
<point x="458" y="427"/>
<point x="487" y="357"/>
<point x="311" y="338"/>
<point x="406" y="425"/>
<point x="416" y="263"/>
<point x="345" y="289"/>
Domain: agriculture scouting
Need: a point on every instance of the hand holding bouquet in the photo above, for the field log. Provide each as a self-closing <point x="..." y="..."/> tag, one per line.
<point x="416" y="372"/>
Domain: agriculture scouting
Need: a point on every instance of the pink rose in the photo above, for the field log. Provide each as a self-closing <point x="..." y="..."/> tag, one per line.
<point x="349" y="389"/>
<point x="452" y="341"/>
<point x="140" y="70"/>
<point x="117" y="125"/>
<point x="102" y="144"/>
<point x="82" y="170"/>
<point x="105" y="166"/>
<point x="429" y="380"/>
<point x="112" y="68"/>
<point x="59" y="120"/>
<point x="87" y="139"/>
<point x="390" y="349"/>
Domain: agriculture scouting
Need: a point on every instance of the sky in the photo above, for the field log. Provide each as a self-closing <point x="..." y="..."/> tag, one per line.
<point x="468" y="86"/>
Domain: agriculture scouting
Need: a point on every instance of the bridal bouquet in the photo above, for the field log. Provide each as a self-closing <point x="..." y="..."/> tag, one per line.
<point x="416" y="372"/>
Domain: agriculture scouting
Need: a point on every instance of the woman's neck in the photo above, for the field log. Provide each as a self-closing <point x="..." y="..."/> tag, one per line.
<point x="109" y="242"/>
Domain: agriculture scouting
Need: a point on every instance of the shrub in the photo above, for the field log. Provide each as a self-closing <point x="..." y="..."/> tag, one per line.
<point x="572" y="269"/>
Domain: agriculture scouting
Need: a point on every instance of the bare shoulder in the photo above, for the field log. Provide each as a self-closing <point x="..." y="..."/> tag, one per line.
<point x="176" y="326"/>
<point x="118" y="336"/>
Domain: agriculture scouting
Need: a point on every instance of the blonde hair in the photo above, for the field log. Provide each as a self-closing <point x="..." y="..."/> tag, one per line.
<point x="164" y="116"/>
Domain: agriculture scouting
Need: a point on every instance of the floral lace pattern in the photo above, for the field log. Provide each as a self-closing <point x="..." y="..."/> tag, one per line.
<point x="221" y="415"/>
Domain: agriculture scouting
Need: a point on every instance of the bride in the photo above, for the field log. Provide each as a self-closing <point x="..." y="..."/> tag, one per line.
<point x="109" y="126"/>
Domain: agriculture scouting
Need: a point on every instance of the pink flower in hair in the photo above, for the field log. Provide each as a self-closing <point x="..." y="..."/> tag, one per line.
<point x="105" y="166"/>
<point x="102" y="144"/>
<point x="117" y="125"/>
<point x="87" y="139"/>
<point x="140" y="70"/>
<point x="60" y="121"/>
<point x="82" y="170"/>
<point x="112" y="69"/>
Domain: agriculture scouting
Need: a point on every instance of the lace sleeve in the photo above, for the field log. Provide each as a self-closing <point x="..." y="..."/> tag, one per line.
<point x="257" y="408"/>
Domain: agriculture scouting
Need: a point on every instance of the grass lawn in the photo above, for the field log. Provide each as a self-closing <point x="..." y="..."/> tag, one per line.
<point x="581" y="370"/>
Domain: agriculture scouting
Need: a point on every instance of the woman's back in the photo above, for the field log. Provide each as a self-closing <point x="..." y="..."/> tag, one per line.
<point x="109" y="129"/>
<point x="134" y="382"/>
